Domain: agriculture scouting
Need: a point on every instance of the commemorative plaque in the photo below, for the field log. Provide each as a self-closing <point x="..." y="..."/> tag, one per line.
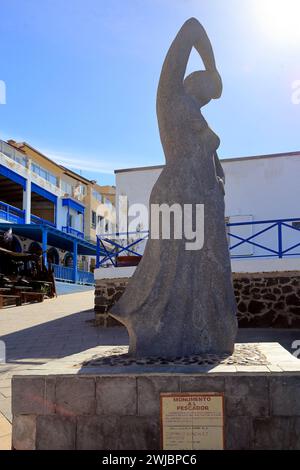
<point x="192" y="421"/>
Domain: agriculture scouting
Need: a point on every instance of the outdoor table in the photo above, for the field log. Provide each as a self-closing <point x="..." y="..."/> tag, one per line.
<point x="24" y="281"/>
<point x="23" y="288"/>
<point x="41" y="282"/>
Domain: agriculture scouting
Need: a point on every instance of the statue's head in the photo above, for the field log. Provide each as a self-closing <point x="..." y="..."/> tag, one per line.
<point x="203" y="86"/>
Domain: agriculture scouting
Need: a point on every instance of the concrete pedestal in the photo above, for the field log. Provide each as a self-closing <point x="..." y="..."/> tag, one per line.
<point x="64" y="405"/>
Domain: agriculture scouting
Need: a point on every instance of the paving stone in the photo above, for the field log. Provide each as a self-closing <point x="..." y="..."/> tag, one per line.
<point x="137" y="432"/>
<point x="116" y="395"/>
<point x="75" y="396"/>
<point x="235" y="436"/>
<point x="50" y="395"/>
<point x="23" y="436"/>
<point x="247" y="396"/>
<point x="96" y="432"/>
<point x="202" y="384"/>
<point x="5" y="442"/>
<point x="276" y="433"/>
<point x="149" y="389"/>
<point x="5" y="426"/>
<point x="285" y="396"/>
<point x="28" y="395"/>
<point x="55" y="433"/>
<point x="5" y="392"/>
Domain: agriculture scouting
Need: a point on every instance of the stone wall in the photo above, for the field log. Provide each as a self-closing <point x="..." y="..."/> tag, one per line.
<point x="263" y="299"/>
<point x="107" y="292"/>
<point x="268" y="299"/>
<point x="94" y="412"/>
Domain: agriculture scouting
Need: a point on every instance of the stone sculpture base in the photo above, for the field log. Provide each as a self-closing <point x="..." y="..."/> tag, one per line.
<point x="68" y="405"/>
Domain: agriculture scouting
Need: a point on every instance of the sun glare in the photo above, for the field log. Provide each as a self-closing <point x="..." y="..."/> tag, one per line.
<point x="280" y="18"/>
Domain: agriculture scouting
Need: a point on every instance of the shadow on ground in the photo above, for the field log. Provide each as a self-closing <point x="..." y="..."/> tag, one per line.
<point x="61" y="337"/>
<point x="75" y="333"/>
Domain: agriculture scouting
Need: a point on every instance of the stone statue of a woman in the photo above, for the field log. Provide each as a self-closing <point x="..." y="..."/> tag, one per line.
<point x="181" y="302"/>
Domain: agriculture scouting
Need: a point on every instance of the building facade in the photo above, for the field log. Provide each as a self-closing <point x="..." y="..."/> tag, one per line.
<point x="37" y="192"/>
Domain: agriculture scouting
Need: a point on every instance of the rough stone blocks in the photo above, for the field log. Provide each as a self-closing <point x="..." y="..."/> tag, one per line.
<point x="268" y="299"/>
<point x="122" y="412"/>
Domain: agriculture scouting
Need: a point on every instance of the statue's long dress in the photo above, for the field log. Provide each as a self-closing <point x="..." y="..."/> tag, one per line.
<point x="181" y="302"/>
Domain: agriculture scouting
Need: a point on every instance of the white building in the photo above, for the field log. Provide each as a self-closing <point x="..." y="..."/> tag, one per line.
<point x="263" y="189"/>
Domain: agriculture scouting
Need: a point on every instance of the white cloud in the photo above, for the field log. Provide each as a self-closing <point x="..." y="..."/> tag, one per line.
<point x="106" y="164"/>
<point x="84" y="163"/>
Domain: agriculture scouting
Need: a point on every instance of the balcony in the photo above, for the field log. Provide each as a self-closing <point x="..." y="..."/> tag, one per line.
<point x="11" y="214"/>
<point x="63" y="273"/>
<point x="10" y="152"/>
<point x="38" y="220"/>
<point x="73" y="231"/>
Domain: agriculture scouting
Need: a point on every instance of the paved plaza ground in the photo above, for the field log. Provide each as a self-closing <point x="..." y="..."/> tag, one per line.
<point x="38" y="333"/>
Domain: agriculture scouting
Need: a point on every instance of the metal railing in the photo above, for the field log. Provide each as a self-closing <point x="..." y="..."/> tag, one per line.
<point x="276" y="238"/>
<point x="14" y="154"/>
<point x="38" y="220"/>
<point x="85" y="277"/>
<point x="108" y="249"/>
<point x="63" y="273"/>
<point x="11" y="214"/>
<point x="66" y="274"/>
<point x="73" y="231"/>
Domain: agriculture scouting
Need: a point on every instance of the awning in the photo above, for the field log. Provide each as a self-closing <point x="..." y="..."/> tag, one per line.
<point x="11" y="175"/>
<point x="76" y="206"/>
<point x="44" y="193"/>
<point x="55" y="237"/>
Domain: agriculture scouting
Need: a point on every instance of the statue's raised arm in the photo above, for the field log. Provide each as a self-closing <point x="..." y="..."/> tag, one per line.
<point x="192" y="34"/>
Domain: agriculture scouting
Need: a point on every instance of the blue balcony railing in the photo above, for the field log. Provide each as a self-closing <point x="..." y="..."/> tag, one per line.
<point x="38" y="220"/>
<point x="11" y="214"/>
<point x="62" y="273"/>
<point x="73" y="231"/>
<point x="85" y="277"/>
<point x="277" y="238"/>
<point x="66" y="274"/>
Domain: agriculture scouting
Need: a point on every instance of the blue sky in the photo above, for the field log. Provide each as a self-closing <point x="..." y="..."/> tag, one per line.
<point x="81" y="77"/>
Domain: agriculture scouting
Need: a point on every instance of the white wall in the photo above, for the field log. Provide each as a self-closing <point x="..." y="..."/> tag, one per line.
<point x="61" y="216"/>
<point x="257" y="188"/>
<point x="267" y="188"/>
<point x="137" y="186"/>
<point x="76" y="220"/>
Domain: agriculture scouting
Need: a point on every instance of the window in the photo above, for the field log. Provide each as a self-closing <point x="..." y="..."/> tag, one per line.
<point x="46" y="175"/>
<point x="97" y="196"/>
<point x="93" y="219"/>
<point x="82" y="190"/>
<point x="71" y="220"/>
<point x="79" y="191"/>
<point x="66" y="187"/>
